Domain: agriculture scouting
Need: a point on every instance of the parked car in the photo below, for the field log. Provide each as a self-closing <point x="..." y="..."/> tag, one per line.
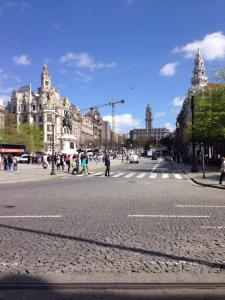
<point x="133" y="159"/>
<point x="23" y="158"/>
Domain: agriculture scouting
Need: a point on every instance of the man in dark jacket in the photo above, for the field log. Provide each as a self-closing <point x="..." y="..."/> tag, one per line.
<point x="107" y="165"/>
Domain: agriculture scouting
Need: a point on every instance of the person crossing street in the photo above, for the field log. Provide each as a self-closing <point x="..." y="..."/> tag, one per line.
<point x="107" y="165"/>
<point x="222" y="169"/>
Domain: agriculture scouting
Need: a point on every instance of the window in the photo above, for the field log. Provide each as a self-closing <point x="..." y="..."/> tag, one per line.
<point x="49" y="118"/>
<point x="19" y="108"/>
<point x="34" y="118"/>
<point x="49" y="137"/>
<point x="24" y="108"/>
<point x="49" y="127"/>
<point x="46" y="83"/>
<point x="34" y="106"/>
<point x="71" y="145"/>
<point x="40" y="106"/>
<point x="40" y="118"/>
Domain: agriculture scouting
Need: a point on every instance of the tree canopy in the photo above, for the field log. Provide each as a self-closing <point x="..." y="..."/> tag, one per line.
<point x="209" y="116"/>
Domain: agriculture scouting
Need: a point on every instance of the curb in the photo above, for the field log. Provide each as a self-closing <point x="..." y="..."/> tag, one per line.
<point x="200" y="183"/>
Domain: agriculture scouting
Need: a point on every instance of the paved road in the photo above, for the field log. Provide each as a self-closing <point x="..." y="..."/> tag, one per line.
<point x="92" y="224"/>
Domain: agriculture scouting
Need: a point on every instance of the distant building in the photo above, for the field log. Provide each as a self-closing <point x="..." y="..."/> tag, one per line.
<point x="149" y="132"/>
<point x="47" y="107"/>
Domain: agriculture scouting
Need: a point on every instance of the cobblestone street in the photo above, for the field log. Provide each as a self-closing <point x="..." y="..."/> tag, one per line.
<point x="117" y="225"/>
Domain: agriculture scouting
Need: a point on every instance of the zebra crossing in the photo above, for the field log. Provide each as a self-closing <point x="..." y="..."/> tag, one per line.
<point x="144" y="175"/>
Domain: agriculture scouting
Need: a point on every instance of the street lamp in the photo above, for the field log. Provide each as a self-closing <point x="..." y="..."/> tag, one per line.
<point x="53" y="150"/>
<point x="122" y="151"/>
<point x="194" y="165"/>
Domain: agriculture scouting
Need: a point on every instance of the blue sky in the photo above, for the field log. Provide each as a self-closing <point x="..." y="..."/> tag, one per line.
<point x="98" y="50"/>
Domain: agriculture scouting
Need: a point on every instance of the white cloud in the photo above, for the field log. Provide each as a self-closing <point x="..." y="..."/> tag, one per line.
<point x="169" y="69"/>
<point x="84" y="60"/>
<point x="160" y="114"/>
<point x="124" y="123"/>
<point x="80" y="76"/>
<point x="4" y="100"/>
<point x="212" y="47"/>
<point x="178" y="101"/>
<point x="169" y="126"/>
<point x="22" y="60"/>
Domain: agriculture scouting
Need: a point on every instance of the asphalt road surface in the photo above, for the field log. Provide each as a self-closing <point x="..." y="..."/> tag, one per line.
<point x="145" y="218"/>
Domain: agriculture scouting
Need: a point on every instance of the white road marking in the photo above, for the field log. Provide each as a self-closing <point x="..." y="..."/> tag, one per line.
<point x="41" y="216"/>
<point x="97" y="174"/>
<point x="118" y="175"/>
<point x="165" y="175"/>
<point x="177" y="176"/>
<point x="153" y="176"/>
<point x="141" y="175"/>
<point x="129" y="175"/>
<point x="167" y="216"/>
<point x="206" y="206"/>
<point x="103" y="175"/>
<point x="156" y="165"/>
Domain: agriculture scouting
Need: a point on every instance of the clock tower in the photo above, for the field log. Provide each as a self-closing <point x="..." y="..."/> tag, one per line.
<point x="45" y="79"/>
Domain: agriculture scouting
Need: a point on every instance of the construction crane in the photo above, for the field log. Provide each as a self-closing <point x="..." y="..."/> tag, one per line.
<point x="113" y="104"/>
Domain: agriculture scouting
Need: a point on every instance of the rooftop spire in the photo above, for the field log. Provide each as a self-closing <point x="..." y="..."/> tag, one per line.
<point x="199" y="79"/>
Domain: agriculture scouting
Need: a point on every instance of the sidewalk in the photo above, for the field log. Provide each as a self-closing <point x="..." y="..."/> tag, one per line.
<point x="29" y="173"/>
<point x="212" y="175"/>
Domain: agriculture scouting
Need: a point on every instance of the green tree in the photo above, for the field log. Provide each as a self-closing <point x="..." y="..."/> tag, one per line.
<point x="209" y="116"/>
<point x="31" y="136"/>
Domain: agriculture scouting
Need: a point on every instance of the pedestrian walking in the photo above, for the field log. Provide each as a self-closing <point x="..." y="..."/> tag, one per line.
<point x="68" y="163"/>
<point x="15" y="164"/>
<point x="84" y="164"/>
<point x="5" y="161"/>
<point x="10" y="162"/>
<point x="107" y="165"/>
<point x="222" y="169"/>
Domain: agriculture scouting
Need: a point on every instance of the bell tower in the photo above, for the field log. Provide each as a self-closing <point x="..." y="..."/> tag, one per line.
<point x="45" y="79"/>
<point x="199" y="79"/>
<point x="148" y="117"/>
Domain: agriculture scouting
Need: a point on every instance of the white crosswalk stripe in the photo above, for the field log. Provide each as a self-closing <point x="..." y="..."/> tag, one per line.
<point x="165" y="175"/>
<point x="177" y="176"/>
<point x="98" y="174"/>
<point x="142" y="175"/>
<point x="153" y="176"/>
<point x="129" y="175"/>
<point x="158" y="176"/>
<point x="118" y="175"/>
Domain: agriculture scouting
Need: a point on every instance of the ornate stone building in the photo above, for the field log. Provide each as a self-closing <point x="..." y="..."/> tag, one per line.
<point x="148" y="132"/>
<point x="47" y="107"/>
<point x="199" y="81"/>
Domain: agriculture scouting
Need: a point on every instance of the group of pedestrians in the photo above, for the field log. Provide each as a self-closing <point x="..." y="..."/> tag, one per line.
<point x="9" y="163"/>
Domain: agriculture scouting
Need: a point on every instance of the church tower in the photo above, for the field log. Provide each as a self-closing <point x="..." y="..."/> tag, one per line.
<point x="148" y="117"/>
<point x="45" y="79"/>
<point x="199" y="79"/>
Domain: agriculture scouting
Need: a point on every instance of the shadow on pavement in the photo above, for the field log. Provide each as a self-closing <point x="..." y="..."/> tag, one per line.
<point x="24" y="287"/>
<point x="118" y="246"/>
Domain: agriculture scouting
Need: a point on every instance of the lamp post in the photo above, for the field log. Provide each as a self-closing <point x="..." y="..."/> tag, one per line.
<point x="122" y="151"/>
<point x="53" y="150"/>
<point x="194" y="165"/>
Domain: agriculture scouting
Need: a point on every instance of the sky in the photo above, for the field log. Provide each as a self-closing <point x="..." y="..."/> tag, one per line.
<point x="97" y="51"/>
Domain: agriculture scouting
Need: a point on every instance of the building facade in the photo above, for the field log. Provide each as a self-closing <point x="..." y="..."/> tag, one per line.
<point x="149" y="132"/>
<point x="47" y="108"/>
